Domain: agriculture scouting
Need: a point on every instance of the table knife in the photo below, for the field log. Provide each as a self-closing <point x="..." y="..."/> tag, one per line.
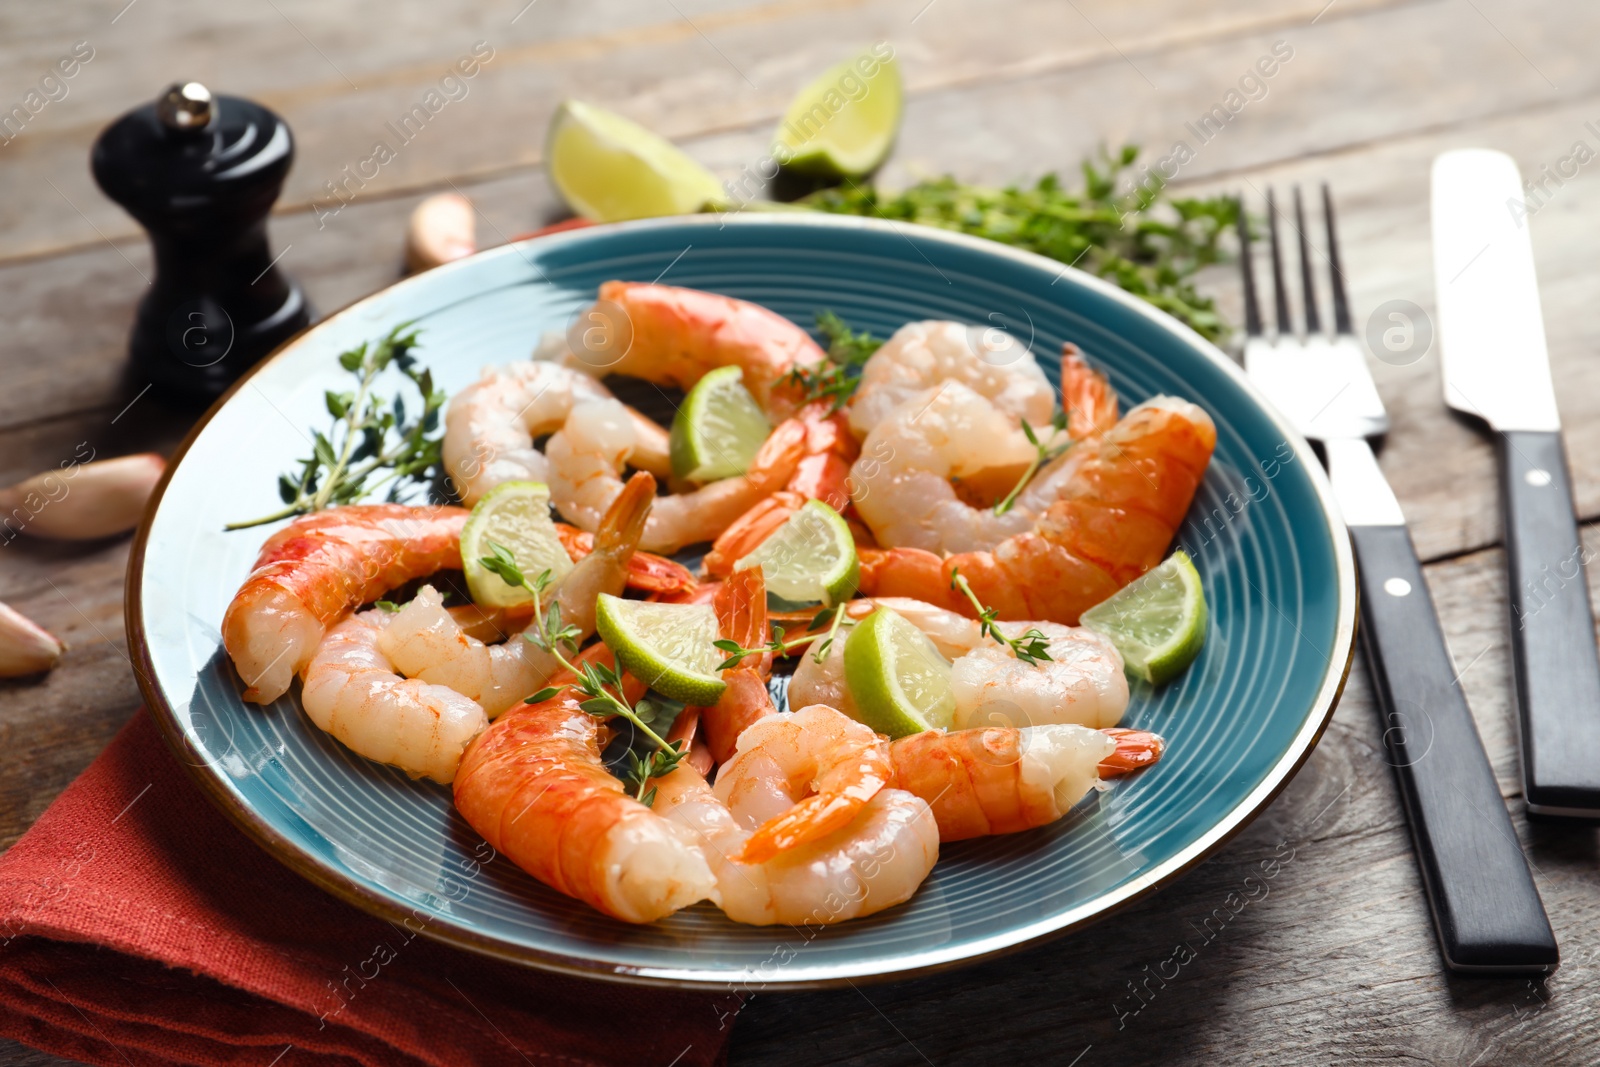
<point x="1496" y="368"/>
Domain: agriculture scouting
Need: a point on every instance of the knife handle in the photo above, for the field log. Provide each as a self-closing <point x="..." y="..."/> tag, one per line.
<point x="1552" y="629"/>
<point x="1485" y="906"/>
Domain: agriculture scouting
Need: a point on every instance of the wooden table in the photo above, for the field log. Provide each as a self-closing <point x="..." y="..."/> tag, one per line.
<point x="1338" y="962"/>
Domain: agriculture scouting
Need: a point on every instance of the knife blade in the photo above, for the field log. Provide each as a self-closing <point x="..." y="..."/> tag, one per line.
<point x="1496" y="367"/>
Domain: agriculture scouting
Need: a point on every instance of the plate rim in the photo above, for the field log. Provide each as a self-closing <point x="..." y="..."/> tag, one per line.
<point x="286" y="852"/>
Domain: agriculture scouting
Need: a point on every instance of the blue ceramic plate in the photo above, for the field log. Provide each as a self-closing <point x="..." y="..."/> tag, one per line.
<point x="1263" y="533"/>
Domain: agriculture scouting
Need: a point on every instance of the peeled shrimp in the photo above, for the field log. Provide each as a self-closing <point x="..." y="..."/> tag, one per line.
<point x="1082" y="683"/>
<point x="1116" y="513"/>
<point x="874" y="862"/>
<point x="318" y="569"/>
<point x="588" y="453"/>
<point x="796" y="778"/>
<point x="534" y="786"/>
<point x="425" y="641"/>
<point x="674" y="336"/>
<point x="353" y="692"/>
<point x="1000" y="780"/>
<point x="490" y="426"/>
<point x="923" y="355"/>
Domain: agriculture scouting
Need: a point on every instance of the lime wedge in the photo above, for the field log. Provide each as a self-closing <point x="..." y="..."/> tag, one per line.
<point x="843" y="124"/>
<point x="516" y="515"/>
<point x="1157" y="622"/>
<point x="610" y="169"/>
<point x="669" y="647"/>
<point x="811" y="557"/>
<point x="718" y="430"/>
<point x="898" y="679"/>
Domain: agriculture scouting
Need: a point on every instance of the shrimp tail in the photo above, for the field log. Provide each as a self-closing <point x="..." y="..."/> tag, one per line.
<point x="1086" y="396"/>
<point x="1136" y="750"/>
<point x="741" y="604"/>
<point x="750" y="530"/>
<point x="623" y="522"/>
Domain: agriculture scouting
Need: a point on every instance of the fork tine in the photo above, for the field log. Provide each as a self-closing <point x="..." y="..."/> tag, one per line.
<point x="1252" y="307"/>
<point x="1341" y="304"/>
<point x="1313" y="320"/>
<point x="1280" y="294"/>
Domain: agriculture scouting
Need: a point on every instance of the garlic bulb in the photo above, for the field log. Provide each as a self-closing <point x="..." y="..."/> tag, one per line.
<point x="25" y="646"/>
<point x="81" y="501"/>
<point x="442" y="228"/>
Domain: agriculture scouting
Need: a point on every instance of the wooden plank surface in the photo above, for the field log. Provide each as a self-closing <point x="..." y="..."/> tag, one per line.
<point x="1337" y="962"/>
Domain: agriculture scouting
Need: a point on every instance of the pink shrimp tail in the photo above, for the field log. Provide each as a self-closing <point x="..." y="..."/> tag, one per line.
<point x="1136" y="750"/>
<point x="1086" y="396"/>
<point x="741" y="604"/>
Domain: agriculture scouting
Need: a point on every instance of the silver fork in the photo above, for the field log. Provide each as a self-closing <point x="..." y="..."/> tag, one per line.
<point x="1486" y="909"/>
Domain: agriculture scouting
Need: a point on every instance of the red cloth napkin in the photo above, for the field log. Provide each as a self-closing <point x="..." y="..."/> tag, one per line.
<point x="139" y="927"/>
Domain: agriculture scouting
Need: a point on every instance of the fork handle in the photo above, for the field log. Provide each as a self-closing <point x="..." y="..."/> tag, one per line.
<point x="1552" y="629"/>
<point x="1486" y="909"/>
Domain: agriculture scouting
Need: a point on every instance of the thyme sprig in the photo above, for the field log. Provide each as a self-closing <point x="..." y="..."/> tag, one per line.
<point x="835" y="378"/>
<point x="550" y="634"/>
<point x="345" y="463"/>
<point x="1043" y="454"/>
<point x="778" y="646"/>
<point x="1031" y="648"/>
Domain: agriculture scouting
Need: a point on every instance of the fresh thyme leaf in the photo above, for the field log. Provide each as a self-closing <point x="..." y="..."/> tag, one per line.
<point x="1120" y="225"/>
<point x="386" y="605"/>
<point x="370" y="444"/>
<point x="547" y="693"/>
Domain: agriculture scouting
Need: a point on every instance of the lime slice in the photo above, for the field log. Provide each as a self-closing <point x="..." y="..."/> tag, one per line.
<point x="811" y="557"/>
<point x="516" y="515"/>
<point x="843" y="124"/>
<point x="669" y="647"/>
<point x="610" y="169"/>
<point x="898" y="679"/>
<point x="718" y="430"/>
<point x="1157" y="622"/>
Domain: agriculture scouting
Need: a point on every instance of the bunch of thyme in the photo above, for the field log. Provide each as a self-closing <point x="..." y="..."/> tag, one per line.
<point x="1122" y="229"/>
<point x="345" y="463"/>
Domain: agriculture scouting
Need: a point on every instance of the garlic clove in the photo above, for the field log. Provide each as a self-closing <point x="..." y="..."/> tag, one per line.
<point x="25" y="646"/>
<point x="83" y="501"/>
<point x="443" y="227"/>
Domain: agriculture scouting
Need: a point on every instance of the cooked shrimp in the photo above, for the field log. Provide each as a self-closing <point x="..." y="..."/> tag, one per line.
<point x="796" y="778"/>
<point x="1116" y="512"/>
<point x="425" y="641"/>
<point x="875" y="861"/>
<point x="318" y="569"/>
<point x="674" y="336"/>
<point x="588" y="453"/>
<point x="1082" y="682"/>
<point x="904" y="484"/>
<point x="999" y="780"/>
<point x="923" y="355"/>
<point x="490" y="426"/>
<point x="352" y="691"/>
<point x="534" y="786"/>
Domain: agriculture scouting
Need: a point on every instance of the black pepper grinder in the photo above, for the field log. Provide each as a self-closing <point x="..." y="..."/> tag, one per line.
<point x="200" y="173"/>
